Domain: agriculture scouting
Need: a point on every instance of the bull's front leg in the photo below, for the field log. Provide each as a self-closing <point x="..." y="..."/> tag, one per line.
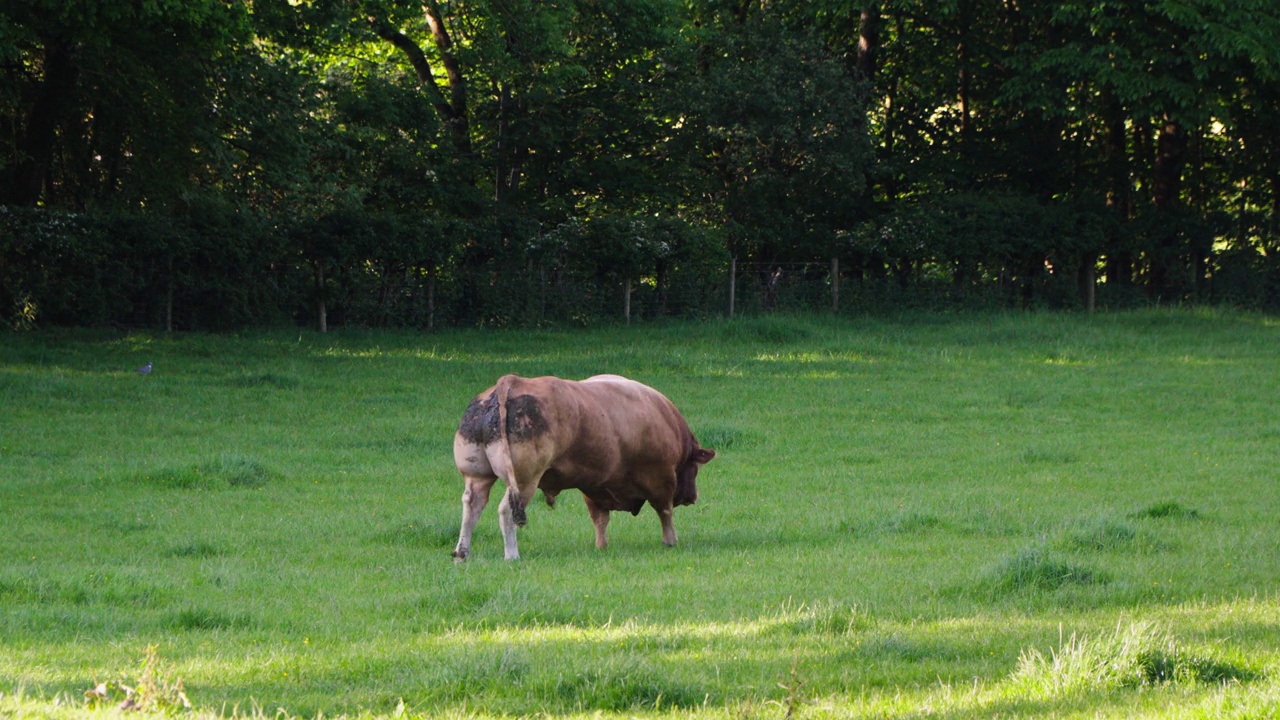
<point x="599" y="518"/>
<point x="474" y="498"/>
<point x="668" y="530"/>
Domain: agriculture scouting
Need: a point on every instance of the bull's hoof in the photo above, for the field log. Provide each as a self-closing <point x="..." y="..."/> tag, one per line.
<point x="459" y="556"/>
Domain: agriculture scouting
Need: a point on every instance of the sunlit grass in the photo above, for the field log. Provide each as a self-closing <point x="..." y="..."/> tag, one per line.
<point x="904" y="514"/>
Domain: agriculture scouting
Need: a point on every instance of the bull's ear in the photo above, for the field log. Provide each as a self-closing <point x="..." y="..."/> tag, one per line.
<point x="702" y="456"/>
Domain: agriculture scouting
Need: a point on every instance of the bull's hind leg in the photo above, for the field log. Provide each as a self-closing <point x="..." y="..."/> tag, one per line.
<point x="511" y="516"/>
<point x="474" y="498"/>
<point x="511" y="511"/>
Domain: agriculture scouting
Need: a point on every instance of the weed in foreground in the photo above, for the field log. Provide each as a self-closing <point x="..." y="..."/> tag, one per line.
<point x="156" y="689"/>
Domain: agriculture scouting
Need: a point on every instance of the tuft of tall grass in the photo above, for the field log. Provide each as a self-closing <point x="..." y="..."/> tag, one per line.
<point x="431" y="533"/>
<point x="1166" y="510"/>
<point x="226" y="470"/>
<point x="278" y="381"/>
<point x="195" y="549"/>
<point x="1099" y="533"/>
<point x="1134" y="654"/>
<point x="621" y="685"/>
<point x="189" y="619"/>
<point x="771" y="329"/>
<point x="1037" y="569"/>
<point x="900" y="522"/>
<point x="828" y="618"/>
<point x="724" y="437"/>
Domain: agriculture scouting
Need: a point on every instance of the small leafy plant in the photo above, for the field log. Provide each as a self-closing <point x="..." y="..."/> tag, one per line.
<point x="156" y="689"/>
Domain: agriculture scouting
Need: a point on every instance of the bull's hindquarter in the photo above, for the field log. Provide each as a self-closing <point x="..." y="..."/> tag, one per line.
<point x="619" y="442"/>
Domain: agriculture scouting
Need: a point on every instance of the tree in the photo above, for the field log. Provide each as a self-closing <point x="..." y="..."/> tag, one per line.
<point x="776" y="125"/>
<point x="112" y="101"/>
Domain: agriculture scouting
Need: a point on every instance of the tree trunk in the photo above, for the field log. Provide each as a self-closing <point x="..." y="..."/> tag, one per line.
<point x="459" y="124"/>
<point x="452" y="108"/>
<point x="1171" y="150"/>
<point x="964" y="79"/>
<point x="1119" y="193"/>
<point x="168" y="297"/>
<point x="506" y="183"/>
<point x="868" y="42"/>
<point x="31" y="175"/>
<point x="660" y="286"/>
<point x="1087" y="282"/>
<point x="322" y="312"/>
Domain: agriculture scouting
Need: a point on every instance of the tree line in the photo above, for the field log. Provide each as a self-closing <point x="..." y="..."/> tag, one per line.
<point x="213" y="164"/>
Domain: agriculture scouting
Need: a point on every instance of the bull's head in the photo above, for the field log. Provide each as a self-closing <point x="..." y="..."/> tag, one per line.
<point x="687" y="475"/>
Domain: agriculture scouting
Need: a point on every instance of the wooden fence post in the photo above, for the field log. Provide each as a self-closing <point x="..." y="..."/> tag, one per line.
<point x="835" y="285"/>
<point x="431" y="302"/>
<point x="733" y="279"/>
<point x="322" y="312"/>
<point x="626" y="301"/>
<point x="168" y="299"/>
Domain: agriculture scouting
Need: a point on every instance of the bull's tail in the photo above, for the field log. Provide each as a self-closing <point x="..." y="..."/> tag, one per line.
<point x="513" y="487"/>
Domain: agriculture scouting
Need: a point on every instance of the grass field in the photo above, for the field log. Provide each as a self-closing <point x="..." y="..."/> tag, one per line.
<point x="977" y="516"/>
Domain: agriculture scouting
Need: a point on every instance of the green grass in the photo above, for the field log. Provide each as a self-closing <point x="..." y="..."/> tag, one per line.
<point x="1014" y="515"/>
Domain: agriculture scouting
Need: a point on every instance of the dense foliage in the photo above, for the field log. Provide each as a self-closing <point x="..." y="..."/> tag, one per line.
<point x="210" y="164"/>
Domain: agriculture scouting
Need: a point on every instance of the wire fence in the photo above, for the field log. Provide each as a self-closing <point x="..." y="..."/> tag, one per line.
<point x="535" y="295"/>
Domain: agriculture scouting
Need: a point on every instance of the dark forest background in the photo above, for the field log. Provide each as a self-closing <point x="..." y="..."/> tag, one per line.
<point x="214" y="164"/>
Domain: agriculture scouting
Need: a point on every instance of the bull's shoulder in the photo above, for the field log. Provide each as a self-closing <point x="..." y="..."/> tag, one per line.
<point x="609" y="378"/>
<point x="616" y="380"/>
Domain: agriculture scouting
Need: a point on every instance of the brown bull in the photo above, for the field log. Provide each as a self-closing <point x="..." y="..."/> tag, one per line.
<point x="620" y="442"/>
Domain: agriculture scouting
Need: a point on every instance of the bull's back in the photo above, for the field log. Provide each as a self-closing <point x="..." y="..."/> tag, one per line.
<point x="636" y="421"/>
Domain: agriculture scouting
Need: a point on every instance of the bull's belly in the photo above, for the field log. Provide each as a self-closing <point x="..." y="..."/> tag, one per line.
<point x="618" y="495"/>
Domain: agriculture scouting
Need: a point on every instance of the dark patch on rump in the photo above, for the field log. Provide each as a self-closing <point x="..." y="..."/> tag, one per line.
<point x="524" y="419"/>
<point x="480" y="422"/>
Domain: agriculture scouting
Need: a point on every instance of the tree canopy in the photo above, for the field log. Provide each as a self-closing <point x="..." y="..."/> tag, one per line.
<point x="211" y="164"/>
